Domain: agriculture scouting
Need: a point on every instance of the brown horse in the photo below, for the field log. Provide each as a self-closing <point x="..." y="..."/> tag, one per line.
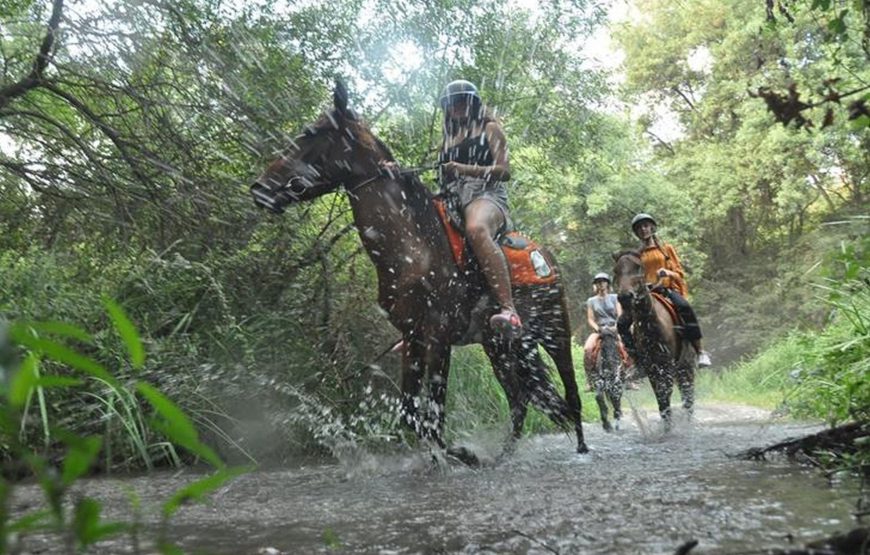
<point x="660" y="352"/>
<point x="427" y="297"/>
<point x="607" y="381"/>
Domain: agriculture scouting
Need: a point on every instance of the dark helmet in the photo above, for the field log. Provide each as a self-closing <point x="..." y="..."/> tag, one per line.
<point x="642" y="218"/>
<point x="459" y="88"/>
<point x="601" y="276"/>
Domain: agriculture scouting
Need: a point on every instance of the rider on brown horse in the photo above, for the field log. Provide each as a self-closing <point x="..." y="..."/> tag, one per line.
<point x="474" y="167"/>
<point x="602" y="313"/>
<point x="665" y="275"/>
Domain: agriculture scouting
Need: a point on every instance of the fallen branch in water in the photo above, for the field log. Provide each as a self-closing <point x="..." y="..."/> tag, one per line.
<point x="841" y="440"/>
<point x="856" y="542"/>
<point x="686" y="547"/>
<point x="535" y="540"/>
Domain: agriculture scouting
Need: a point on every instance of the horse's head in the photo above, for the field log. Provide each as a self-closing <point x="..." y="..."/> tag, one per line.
<point x="628" y="277"/>
<point x="338" y="149"/>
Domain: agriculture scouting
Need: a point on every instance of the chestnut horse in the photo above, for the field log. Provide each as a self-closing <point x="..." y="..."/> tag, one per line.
<point x="661" y="353"/>
<point x="427" y="297"/>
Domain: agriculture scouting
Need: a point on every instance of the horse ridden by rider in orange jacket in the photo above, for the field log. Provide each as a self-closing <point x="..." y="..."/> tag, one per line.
<point x="664" y="274"/>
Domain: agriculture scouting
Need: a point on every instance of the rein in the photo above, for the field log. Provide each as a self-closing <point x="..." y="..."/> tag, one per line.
<point x="387" y="173"/>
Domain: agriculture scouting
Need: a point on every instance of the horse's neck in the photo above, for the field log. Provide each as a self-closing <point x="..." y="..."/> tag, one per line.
<point x="399" y="238"/>
<point x="655" y="322"/>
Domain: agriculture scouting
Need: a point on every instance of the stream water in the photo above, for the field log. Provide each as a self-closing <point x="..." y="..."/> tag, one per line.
<point x="636" y="492"/>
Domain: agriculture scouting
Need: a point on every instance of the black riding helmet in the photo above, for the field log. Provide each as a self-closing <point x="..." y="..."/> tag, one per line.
<point x="459" y="89"/>
<point x="642" y="217"/>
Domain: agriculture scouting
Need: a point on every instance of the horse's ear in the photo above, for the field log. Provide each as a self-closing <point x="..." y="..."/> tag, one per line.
<point x="615" y="255"/>
<point x="339" y="97"/>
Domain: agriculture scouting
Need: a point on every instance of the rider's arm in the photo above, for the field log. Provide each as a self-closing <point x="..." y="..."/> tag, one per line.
<point x="590" y="319"/>
<point x="676" y="272"/>
<point x="500" y="170"/>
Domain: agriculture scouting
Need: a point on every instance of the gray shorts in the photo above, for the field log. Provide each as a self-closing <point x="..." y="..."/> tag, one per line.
<point x="463" y="191"/>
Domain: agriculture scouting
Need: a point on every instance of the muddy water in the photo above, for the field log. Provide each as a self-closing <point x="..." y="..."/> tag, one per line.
<point x="636" y="492"/>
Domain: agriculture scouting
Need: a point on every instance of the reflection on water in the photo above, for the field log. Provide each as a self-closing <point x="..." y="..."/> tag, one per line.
<point x="632" y="494"/>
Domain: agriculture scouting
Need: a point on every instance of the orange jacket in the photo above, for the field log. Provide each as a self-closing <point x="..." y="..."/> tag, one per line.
<point x="664" y="256"/>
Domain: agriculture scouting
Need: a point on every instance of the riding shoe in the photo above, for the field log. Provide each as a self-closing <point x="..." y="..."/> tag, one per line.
<point x="704" y="359"/>
<point x="507" y="323"/>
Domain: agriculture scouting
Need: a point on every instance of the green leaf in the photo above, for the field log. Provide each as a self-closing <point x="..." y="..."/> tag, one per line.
<point x="32" y="522"/>
<point x="59" y="353"/>
<point x="169" y="549"/>
<point x="127" y="331"/>
<point x="823" y="4"/>
<point x="860" y="123"/>
<point x="176" y="426"/>
<point x="86" y="520"/>
<point x="80" y="457"/>
<point x="24" y="381"/>
<point x="331" y="539"/>
<point x="62" y="329"/>
<point x="57" y="381"/>
<point x="87" y="526"/>
<point x="838" y="24"/>
<point x="199" y="489"/>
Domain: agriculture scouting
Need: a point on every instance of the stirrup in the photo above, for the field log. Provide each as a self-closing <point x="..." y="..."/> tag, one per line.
<point x="507" y="323"/>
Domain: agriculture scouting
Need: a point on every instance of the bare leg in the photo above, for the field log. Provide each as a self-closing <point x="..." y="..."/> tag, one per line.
<point x="589" y="360"/>
<point x="483" y="219"/>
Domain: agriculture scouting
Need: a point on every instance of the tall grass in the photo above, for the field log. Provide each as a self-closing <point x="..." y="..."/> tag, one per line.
<point x="77" y="523"/>
<point x="824" y="373"/>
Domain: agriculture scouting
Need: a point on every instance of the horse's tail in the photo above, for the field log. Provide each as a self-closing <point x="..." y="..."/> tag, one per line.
<point x="562" y="340"/>
<point x="539" y="388"/>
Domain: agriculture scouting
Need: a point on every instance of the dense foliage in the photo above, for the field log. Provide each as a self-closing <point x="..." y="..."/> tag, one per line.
<point x="130" y="131"/>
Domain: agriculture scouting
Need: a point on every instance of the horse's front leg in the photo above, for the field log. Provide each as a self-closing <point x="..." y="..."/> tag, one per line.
<point x="662" y="381"/>
<point x="412" y="380"/>
<point x="436" y="360"/>
<point x="506" y="370"/>
<point x="686" y="382"/>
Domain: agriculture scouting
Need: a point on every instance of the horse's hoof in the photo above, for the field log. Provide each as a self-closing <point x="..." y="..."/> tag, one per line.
<point x="607" y="427"/>
<point x="464" y="455"/>
<point x="582" y="449"/>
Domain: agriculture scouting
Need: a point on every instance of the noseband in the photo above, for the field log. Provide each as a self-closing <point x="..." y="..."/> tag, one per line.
<point x="636" y="278"/>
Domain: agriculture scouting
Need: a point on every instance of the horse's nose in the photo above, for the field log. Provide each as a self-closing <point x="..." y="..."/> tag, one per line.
<point x="266" y="197"/>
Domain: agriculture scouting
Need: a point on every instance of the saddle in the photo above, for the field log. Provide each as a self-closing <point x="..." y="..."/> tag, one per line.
<point x="527" y="263"/>
<point x="669" y="306"/>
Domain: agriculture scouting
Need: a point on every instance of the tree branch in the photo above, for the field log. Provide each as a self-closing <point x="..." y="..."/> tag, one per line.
<point x="34" y="78"/>
<point x="684" y="97"/>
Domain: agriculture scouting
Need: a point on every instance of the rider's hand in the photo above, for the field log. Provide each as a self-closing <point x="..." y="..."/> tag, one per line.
<point x="451" y="169"/>
<point x="389" y="166"/>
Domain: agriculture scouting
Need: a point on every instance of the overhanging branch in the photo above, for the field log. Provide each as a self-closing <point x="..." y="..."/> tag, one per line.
<point x="34" y="78"/>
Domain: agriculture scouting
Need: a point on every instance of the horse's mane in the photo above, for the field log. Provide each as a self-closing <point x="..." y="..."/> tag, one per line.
<point x="417" y="195"/>
<point x="619" y="254"/>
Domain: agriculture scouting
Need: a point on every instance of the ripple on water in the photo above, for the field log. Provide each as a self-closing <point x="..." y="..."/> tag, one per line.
<point x="635" y="492"/>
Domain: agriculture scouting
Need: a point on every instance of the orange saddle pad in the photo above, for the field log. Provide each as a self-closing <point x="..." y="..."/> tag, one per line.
<point x="527" y="262"/>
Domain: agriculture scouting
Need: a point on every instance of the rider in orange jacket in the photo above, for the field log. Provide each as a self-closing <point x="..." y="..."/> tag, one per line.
<point x="664" y="273"/>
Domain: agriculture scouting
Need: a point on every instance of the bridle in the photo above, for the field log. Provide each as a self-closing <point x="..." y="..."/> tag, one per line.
<point x="637" y="278"/>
